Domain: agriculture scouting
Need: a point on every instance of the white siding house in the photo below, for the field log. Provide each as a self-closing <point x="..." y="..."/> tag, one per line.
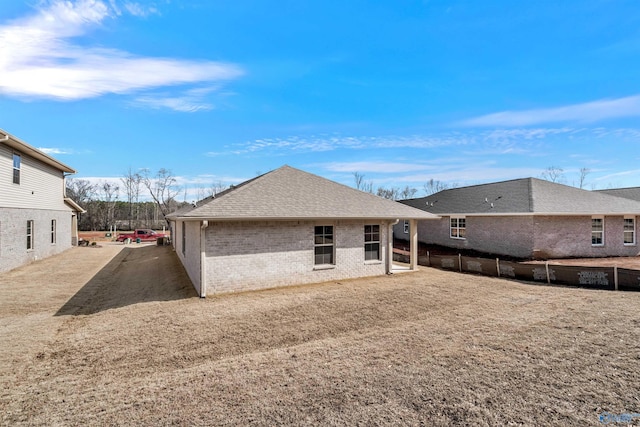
<point x="36" y="220"/>
<point x="287" y="227"/>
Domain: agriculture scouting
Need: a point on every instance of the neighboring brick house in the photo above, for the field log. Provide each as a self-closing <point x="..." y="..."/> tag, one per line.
<point x="287" y="227"/>
<point x="632" y="193"/>
<point x="530" y="218"/>
<point x="36" y="219"/>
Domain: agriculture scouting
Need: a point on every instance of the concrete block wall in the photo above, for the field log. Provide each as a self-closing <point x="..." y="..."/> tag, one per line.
<point x="256" y="255"/>
<point x="13" y="235"/>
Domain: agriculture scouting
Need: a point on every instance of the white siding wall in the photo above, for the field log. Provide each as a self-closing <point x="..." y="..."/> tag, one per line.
<point x="41" y="186"/>
<point x="257" y="255"/>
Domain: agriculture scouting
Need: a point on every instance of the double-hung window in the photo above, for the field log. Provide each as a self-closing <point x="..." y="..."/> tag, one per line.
<point x="53" y="231"/>
<point x="629" y="231"/>
<point x="29" y="235"/>
<point x="16" y="168"/>
<point x="323" y="249"/>
<point x="406" y="227"/>
<point x="371" y="242"/>
<point x="597" y="231"/>
<point x="458" y="227"/>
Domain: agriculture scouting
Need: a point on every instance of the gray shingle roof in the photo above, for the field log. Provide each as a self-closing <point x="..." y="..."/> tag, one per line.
<point x="632" y="193"/>
<point x="523" y="196"/>
<point x="289" y="193"/>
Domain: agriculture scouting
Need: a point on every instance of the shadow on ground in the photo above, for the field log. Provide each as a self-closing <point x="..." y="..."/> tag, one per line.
<point x="135" y="275"/>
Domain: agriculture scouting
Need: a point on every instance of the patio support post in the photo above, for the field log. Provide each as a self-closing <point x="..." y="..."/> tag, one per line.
<point x="413" y="229"/>
<point x="389" y="262"/>
<point x="203" y="259"/>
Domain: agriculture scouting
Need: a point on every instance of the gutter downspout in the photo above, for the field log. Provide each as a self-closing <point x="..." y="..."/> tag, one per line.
<point x="390" y="246"/>
<point x="203" y="270"/>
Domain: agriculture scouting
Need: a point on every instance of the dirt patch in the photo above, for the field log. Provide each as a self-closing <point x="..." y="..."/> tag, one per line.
<point x="108" y="345"/>
<point x="632" y="262"/>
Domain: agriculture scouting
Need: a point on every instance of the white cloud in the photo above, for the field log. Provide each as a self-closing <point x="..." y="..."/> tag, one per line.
<point x="587" y="112"/>
<point x="136" y="9"/>
<point x="321" y="143"/>
<point x="40" y="60"/>
<point x="53" y="150"/>
<point x="375" y="166"/>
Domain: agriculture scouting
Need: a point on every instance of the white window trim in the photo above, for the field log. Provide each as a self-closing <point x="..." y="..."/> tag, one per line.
<point x="54" y="232"/>
<point x="14" y="168"/>
<point x="632" y="218"/>
<point x="406" y="227"/>
<point x="597" y="245"/>
<point x="30" y="235"/>
<point x="458" y="227"/>
<point x="333" y="246"/>
<point x="379" y="242"/>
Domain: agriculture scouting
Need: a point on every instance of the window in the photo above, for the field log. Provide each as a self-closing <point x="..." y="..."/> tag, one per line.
<point x="30" y="235"/>
<point x="458" y="228"/>
<point x="323" y="245"/>
<point x="371" y="242"/>
<point x="597" y="231"/>
<point x="630" y="231"/>
<point x="16" y="168"/>
<point x="406" y="227"/>
<point x="184" y="237"/>
<point x="53" y="231"/>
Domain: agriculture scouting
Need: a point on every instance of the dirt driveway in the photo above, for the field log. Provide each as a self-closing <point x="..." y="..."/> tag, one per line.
<point x="117" y="336"/>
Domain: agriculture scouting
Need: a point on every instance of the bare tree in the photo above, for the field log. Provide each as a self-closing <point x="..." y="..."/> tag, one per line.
<point x="131" y="182"/>
<point x="210" y="191"/>
<point x="583" y="176"/>
<point x="217" y="187"/>
<point x="553" y="174"/>
<point x="163" y="189"/>
<point x="359" y="179"/>
<point x="388" y="193"/>
<point x="434" y="186"/>
<point x="361" y="184"/>
<point x="108" y="196"/>
<point x="80" y="190"/>
<point x="407" y="192"/>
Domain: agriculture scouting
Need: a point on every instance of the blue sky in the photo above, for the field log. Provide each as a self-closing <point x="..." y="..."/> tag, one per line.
<point x="400" y="91"/>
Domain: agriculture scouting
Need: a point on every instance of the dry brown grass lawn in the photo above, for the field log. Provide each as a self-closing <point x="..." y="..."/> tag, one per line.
<point x="86" y="341"/>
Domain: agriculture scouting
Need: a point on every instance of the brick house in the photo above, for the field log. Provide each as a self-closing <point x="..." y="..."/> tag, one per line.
<point x="632" y="193"/>
<point x="530" y="218"/>
<point x="36" y="219"/>
<point x="287" y="227"/>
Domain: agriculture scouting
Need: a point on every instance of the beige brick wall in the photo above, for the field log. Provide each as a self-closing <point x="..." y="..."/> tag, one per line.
<point x="256" y="255"/>
<point x="531" y="236"/>
<point x="13" y="235"/>
<point x="559" y="237"/>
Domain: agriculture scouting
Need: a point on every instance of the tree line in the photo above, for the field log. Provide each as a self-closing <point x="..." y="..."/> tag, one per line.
<point x="148" y="197"/>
